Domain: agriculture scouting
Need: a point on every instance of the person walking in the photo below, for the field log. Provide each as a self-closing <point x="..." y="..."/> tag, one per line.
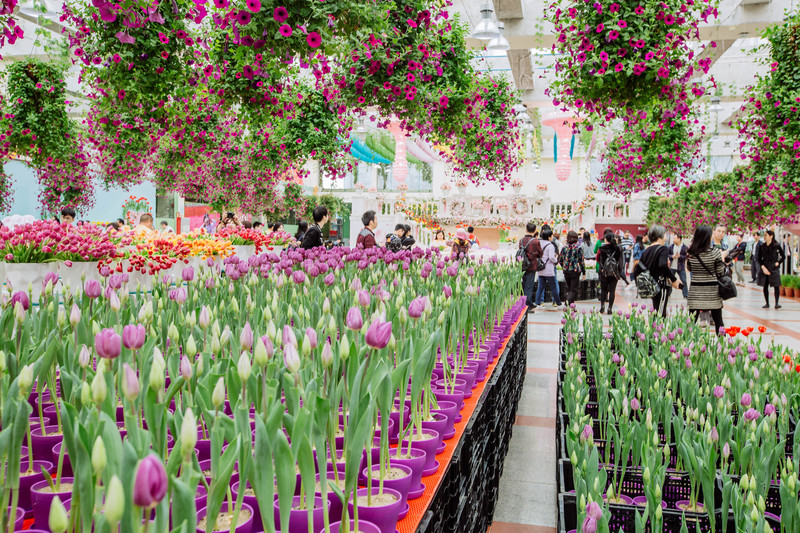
<point x="755" y="268"/>
<point x="677" y="254"/>
<point x="737" y="256"/>
<point x="609" y="263"/>
<point x="626" y="244"/>
<point x="366" y="237"/>
<point x="571" y="260"/>
<point x="706" y="265"/>
<point x="636" y="255"/>
<point x="770" y="258"/>
<point x="547" y="276"/>
<point x="655" y="259"/>
<point x="787" y="253"/>
<point x="533" y="251"/>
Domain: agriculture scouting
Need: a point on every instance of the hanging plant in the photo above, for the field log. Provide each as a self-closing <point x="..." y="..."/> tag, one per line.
<point x="6" y="192"/>
<point x="37" y="118"/>
<point x="614" y="59"/>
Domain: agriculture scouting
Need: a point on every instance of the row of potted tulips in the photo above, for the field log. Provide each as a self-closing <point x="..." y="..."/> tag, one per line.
<point x="666" y="422"/>
<point x="32" y="254"/>
<point x="306" y="391"/>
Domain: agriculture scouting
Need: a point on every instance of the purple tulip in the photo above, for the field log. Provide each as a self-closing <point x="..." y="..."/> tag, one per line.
<point x="768" y="354"/>
<point x="133" y="336"/>
<point x="714" y="435"/>
<point x="108" y="344"/>
<point x="289" y="336"/>
<point x="769" y="409"/>
<point x="719" y="391"/>
<point x="291" y="358"/>
<point x="751" y="414"/>
<point x="587" y="432"/>
<point x="312" y="337"/>
<point x="593" y="513"/>
<point x="51" y="278"/>
<point x="635" y="404"/>
<point x="726" y="450"/>
<point x="378" y="334"/>
<point x="150" y="485"/>
<point x="210" y="282"/>
<point x="746" y="399"/>
<point x="115" y="281"/>
<point x="615" y="359"/>
<point x="187" y="274"/>
<point x="353" y="319"/>
<point x="298" y="276"/>
<point x="416" y="307"/>
<point x="662" y="373"/>
<point x="130" y="383"/>
<point x="622" y="371"/>
<point x="329" y="279"/>
<point x="363" y="298"/>
<point x="22" y="298"/>
<point x="268" y="346"/>
<point x="448" y="292"/>
<point x="186" y="368"/>
<point x="246" y="337"/>
<point x="452" y="271"/>
<point x="92" y="288"/>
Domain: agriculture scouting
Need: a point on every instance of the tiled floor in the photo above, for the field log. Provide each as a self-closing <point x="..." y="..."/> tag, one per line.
<point x="527" y="501"/>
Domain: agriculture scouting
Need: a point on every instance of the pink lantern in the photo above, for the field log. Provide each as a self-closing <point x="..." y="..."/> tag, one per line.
<point x="400" y="167"/>
<point x="563" y="125"/>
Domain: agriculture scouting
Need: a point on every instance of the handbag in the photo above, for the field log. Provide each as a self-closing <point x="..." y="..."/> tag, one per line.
<point x="540" y="264"/>
<point x="727" y="289"/>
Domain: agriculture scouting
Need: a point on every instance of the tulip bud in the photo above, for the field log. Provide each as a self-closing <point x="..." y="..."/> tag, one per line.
<point x="243" y="367"/>
<point x="191" y="347"/>
<point x="157" y="369"/>
<point x="327" y="355"/>
<point x="58" y="520"/>
<point x="205" y="318"/>
<point x="74" y="315"/>
<point x="25" y="380"/>
<point x="226" y="336"/>
<point x="130" y="383"/>
<point x="306" y="347"/>
<point x="188" y="433"/>
<point x="115" y="501"/>
<point x="114" y="303"/>
<point x="218" y="395"/>
<point x="2" y="361"/>
<point x="99" y="388"/>
<point x="191" y="320"/>
<point x="260" y="356"/>
<point x="186" y="368"/>
<point x="272" y="331"/>
<point x="86" y="394"/>
<point x="19" y="313"/>
<point x="173" y="334"/>
<point x="344" y="347"/>
<point x="326" y="306"/>
<point x="61" y="319"/>
<point x="659" y="513"/>
<point x="216" y="348"/>
<point x="98" y="457"/>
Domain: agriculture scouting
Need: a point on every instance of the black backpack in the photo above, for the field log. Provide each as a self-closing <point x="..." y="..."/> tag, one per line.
<point x="610" y="267"/>
<point x="522" y="257"/>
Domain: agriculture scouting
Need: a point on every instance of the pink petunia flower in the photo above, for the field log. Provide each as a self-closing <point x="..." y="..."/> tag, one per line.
<point x="254" y="5"/>
<point x="285" y="30"/>
<point x="280" y="14"/>
<point x="313" y="39"/>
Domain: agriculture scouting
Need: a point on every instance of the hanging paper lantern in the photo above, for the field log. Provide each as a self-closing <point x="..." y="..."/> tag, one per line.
<point x="563" y="124"/>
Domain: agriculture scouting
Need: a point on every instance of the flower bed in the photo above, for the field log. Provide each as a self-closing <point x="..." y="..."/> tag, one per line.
<point x="158" y="404"/>
<point x="698" y="429"/>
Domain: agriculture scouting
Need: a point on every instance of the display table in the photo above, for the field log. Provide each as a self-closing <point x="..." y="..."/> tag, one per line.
<point x="461" y="496"/>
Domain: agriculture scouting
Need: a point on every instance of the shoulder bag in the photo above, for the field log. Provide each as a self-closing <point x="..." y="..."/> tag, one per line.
<point x="727" y="289"/>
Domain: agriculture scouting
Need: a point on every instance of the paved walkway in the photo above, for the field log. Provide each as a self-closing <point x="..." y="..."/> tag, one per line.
<point x="527" y="500"/>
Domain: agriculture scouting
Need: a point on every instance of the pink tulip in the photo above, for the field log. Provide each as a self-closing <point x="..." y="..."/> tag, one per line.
<point x="354" y="320"/>
<point x="150" y="485"/>
<point x="378" y="334"/>
<point x="108" y="344"/>
<point x="133" y="337"/>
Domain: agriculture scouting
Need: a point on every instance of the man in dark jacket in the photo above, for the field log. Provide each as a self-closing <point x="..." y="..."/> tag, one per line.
<point x="366" y="238"/>
<point x="313" y="237"/>
<point x="533" y="251"/>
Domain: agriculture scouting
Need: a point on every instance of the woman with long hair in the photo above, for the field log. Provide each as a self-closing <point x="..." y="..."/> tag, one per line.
<point x="706" y="265"/>
<point x="302" y="228"/>
<point x="770" y="257"/>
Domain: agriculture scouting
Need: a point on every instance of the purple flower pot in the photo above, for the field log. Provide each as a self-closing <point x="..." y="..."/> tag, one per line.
<point x="642" y="502"/>
<point x="48" y="417"/>
<point x="456" y="397"/>
<point x="19" y="517"/>
<point x="402" y="485"/>
<point x="458" y="384"/>
<point x="363" y="527"/>
<point x="428" y="446"/>
<point x="202" y="447"/>
<point x="66" y="466"/>
<point x="449" y="410"/>
<point x="395" y="416"/>
<point x="416" y="462"/>
<point x="334" y="503"/>
<point x="438" y="424"/>
<point x="252" y="502"/>
<point x="246" y="527"/>
<point x="468" y="376"/>
<point x="206" y="465"/>
<point x="43" y="443"/>
<point x="27" y="481"/>
<point x="391" y="429"/>
<point x="298" y="519"/>
<point x="481" y="363"/>
<point x="626" y="500"/>
<point x="682" y="505"/>
<point x="41" y="501"/>
<point x="384" y="516"/>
